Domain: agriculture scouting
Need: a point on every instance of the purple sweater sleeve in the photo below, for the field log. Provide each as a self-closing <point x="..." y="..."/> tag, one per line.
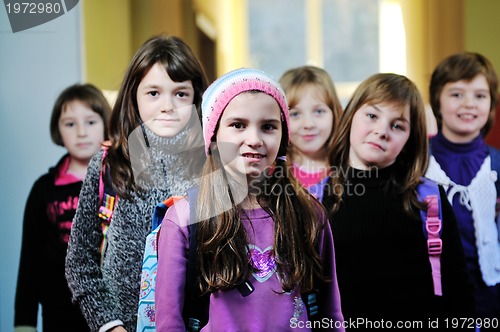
<point x="172" y="261"/>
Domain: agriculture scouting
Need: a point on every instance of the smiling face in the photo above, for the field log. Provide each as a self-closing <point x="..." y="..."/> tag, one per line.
<point x="465" y="107"/>
<point x="81" y="129"/>
<point x="165" y="106"/>
<point x="249" y="134"/>
<point x="378" y="134"/>
<point x="311" y="122"/>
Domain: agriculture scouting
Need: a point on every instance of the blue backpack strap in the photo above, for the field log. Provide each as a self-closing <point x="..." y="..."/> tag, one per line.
<point x="196" y="305"/>
<point x="160" y="210"/>
<point x="317" y="190"/>
<point x="495" y="165"/>
<point x="428" y="192"/>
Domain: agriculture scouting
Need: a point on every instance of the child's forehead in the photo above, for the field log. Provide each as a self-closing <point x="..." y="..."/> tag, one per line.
<point x="480" y="80"/>
<point x="71" y="105"/>
<point x="393" y="105"/>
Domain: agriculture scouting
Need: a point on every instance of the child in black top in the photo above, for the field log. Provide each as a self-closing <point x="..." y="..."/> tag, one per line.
<point x="78" y="123"/>
<point x="383" y="264"/>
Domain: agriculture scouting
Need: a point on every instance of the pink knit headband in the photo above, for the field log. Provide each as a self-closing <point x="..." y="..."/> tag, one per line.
<point x="224" y="89"/>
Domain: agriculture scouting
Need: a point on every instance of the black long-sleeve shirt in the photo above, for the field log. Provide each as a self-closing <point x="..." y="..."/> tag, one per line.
<point x="382" y="260"/>
<point x="46" y="228"/>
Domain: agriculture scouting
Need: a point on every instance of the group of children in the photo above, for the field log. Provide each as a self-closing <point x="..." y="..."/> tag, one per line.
<point x="304" y="215"/>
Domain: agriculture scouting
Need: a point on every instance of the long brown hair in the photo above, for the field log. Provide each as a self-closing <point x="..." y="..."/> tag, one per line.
<point x="463" y="66"/>
<point x="413" y="159"/>
<point x="223" y="241"/>
<point x="181" y="65"/>
<point x="294" y="80"/>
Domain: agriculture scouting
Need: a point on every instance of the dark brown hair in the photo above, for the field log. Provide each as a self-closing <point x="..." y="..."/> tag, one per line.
<point x="85" y="93"/>
<point x="181" y="65"/>
<point x="463" y="66"/>
<point x="223" y="241"/>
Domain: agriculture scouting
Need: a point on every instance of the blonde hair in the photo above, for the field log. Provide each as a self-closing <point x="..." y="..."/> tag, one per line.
<point x="293" y="82"/>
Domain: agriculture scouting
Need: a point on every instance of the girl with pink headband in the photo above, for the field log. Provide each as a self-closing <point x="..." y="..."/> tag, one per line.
<point x="261" y="242"/>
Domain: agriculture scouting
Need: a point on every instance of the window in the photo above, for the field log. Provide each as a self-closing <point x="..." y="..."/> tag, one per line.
<point x="350" y="39"/>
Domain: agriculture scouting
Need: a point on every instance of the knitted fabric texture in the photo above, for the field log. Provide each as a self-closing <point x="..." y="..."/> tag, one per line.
<point x="225" y="88"/>
<point x="111" y="292"/>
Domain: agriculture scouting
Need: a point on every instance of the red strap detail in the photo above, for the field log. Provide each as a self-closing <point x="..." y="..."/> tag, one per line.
<point x="171" y="200"/>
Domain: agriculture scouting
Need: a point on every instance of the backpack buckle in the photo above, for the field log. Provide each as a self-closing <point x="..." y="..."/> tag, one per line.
<point x="433" y="225"/>
<point x="106" y="209"/>
<point x="105" y="213"/>
<point x="434" y="246"/>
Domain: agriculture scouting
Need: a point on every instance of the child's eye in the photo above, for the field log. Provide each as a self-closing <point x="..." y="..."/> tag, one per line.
<point x="294" y="114"/>
<point x="237" y="125"/>
<point x="319" y="111"/>
<point x="153" y="93"/>
<point x="92" y="122"/>
<point x="399" y="127"/>
<point x="269" y="127"/>
<point x="182" y="94"/>
<point x="481" y="96"/>
<point x="371" y="116"/>
<point x="69" y="124"/>
<point x="456" y="94"/>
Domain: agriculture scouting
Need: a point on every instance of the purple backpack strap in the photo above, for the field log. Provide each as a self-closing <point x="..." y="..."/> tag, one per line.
<point x="428" y="192"/>
<point x="318" y="189"/>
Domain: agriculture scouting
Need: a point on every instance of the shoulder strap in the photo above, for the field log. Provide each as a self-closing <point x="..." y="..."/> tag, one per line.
<point x="107" y="195"/>
<point x="428" y="192"/>
<point x="160" y="210"/>
<point x="196" y="305"/>
<point x="107" y="200"/>
<point x="495" y="165"/>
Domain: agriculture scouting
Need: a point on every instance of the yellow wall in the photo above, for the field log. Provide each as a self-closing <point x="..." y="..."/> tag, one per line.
<point x="230" y="20"/>
<point x="434" y="29"/>
<point x="482" y="29"/>
<point x="107" y="41"/>
<point x="114" y="29"/>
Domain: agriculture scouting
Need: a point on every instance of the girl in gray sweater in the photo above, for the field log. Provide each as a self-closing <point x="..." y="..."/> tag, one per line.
<point x="154" y="130"/>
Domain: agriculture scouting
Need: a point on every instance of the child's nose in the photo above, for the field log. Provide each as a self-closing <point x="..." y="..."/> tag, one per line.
<point x="253" y="137"/>
<point x="381" y="130"/>
<point x="308" y="121"/>
<point x="167" y="105"/>
<point x="469" y="100"/>
<point x="82" y="130"/>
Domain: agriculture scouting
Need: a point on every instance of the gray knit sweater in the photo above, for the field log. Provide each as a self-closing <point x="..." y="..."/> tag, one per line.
<point x="110" y="291"/>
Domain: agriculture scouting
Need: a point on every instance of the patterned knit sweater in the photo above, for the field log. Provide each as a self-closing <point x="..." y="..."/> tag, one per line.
<point x="109" y="292"/>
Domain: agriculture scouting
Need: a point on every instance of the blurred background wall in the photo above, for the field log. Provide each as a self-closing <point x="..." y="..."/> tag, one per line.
<point x="94" y="42"/>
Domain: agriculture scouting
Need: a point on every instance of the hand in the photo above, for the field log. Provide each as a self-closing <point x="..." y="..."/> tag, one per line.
<point x="118" y="329"/>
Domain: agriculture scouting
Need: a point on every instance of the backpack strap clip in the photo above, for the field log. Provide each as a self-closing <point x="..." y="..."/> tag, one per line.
<point x="434" y="246"/>
<point x="432" y="226"/>
<point x="434" y="243"/>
